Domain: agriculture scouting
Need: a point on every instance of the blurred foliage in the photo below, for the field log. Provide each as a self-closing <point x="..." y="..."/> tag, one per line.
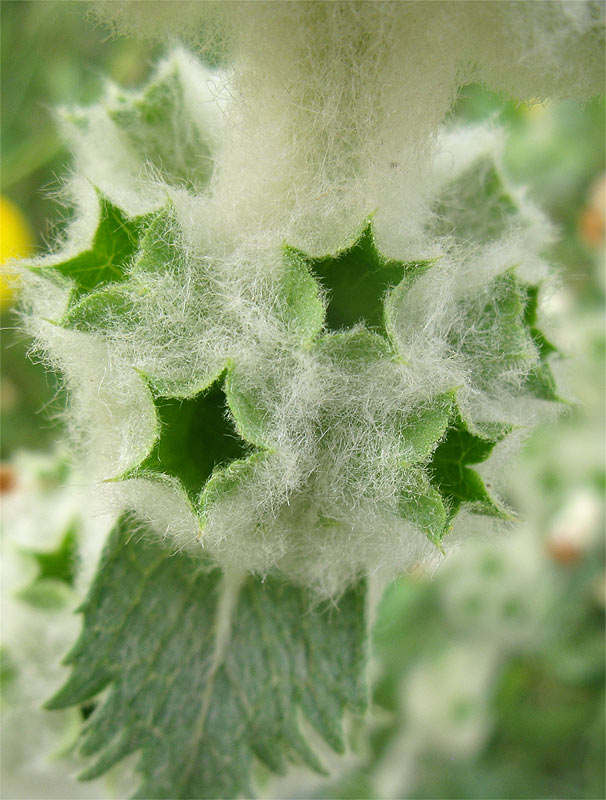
<point x="557" y="151"/>
<point x="52" y="55"/>
<point x="525" y="717"/>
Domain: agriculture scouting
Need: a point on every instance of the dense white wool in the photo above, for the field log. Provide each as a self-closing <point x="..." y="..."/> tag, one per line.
<point x="329" y="113"/>
<point x="333" y="106"/>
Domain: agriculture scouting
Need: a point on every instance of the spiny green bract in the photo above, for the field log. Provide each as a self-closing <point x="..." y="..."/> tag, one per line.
<point x="339" y="310"/>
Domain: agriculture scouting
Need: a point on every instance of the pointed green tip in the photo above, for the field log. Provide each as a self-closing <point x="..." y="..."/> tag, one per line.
<point x="58" y="701"/>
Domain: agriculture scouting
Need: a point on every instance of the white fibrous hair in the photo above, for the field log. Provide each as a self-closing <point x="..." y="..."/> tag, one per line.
<point x="334" y="107"/>
<point x="324" y="125"/>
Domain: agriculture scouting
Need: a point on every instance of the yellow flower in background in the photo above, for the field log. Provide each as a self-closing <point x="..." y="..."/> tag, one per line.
<point x="15" y="242"/>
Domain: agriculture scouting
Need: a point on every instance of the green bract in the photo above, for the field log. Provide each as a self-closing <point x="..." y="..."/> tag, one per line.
<point x="157" y="126"/>
<point x="339" y="310"/>
<point x="107" y="259"/>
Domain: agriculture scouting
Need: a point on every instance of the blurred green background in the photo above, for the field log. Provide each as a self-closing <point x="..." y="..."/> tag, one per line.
<point x="52" y="55"/>
<point x="489" y="674"/>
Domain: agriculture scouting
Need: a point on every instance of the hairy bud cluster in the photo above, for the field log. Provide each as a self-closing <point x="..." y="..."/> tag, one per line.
<point x="298" y="326"/>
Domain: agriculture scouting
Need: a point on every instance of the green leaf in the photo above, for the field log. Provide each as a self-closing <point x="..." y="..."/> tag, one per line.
<point x="247" y="407"/>
<point x="161" y="131"/>
<point x="206" y="671"/>
<point x="450" y="471"/>
<point x="353" y="349"/>
<point x="357" y="281"/>
<point x="160" y="247"/>
<point x="476" y="207"/>
<point x="109" y="256"/>
<point x="395" y="298"/>
<point x="227" y="479"/>
<point x="195" y="435"/>
<point x="98" y="309"/>
<point x="421" y="503"/>
<point x="158" y="250"/>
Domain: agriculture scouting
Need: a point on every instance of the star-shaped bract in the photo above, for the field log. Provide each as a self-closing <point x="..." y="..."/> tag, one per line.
<point x="357" y="281"/>
<point x="59" y="564"/>
<point x="161" y="130"/>
<point x="476" y="206"/>
<point x="107" y="260"/>
<point x="540" y="382"/>
<point x="499" y="337"/>
<point x="155" y="249"/>
<point x="56" y="571"/>
<point x="491" y="333"/>
<point x="146" y="298"/>
<point x="450" y="471"/>
<point x="195" y="437"/>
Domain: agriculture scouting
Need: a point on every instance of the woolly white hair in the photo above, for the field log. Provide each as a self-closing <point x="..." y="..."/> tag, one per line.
<point x="334" y="106"/>
<point x="327" y="113"/>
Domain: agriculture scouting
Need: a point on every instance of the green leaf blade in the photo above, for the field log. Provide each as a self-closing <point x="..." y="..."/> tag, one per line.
<point x="422" y="504"/>
<point x="353" y="349"/>
<point x="422" y="429"/>
<point x="199" y="685"/>
<point x="301" y="308"/>
<point x="227" y="479"/>
<point x="94" y="311"/>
